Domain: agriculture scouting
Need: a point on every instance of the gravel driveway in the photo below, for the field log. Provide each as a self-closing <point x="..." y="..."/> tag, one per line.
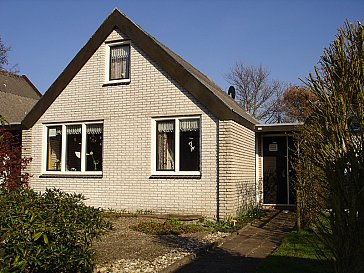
<point x="125" y="250"/>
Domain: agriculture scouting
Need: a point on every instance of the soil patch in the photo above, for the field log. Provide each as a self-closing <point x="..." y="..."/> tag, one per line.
<point x="122" y="242"/>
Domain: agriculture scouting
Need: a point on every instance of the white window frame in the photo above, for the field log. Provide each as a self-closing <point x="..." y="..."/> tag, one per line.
<point x="63" y="170"/>
<point x="176" y="171"/>
<point x="107" y="62"/>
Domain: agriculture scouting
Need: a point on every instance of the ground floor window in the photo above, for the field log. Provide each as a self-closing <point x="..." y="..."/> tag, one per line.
<point x="54" y="148"/>
<point x="74" y="147"/>
<point x="177" y="145"/>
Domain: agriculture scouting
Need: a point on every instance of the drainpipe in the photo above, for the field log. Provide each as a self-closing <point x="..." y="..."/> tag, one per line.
<point x="218" y="170"/>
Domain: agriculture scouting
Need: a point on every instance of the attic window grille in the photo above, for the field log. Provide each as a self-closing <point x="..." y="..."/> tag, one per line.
<point x="119" y="62"/>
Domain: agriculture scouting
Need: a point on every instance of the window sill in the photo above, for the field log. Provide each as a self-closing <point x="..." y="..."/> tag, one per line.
<point x="176" y="176"/>
<point x="71" y="175"/>
<point x="117" y="82"/>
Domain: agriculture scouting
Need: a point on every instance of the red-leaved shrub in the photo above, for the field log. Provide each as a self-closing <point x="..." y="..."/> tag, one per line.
<point x="12" y="164"/>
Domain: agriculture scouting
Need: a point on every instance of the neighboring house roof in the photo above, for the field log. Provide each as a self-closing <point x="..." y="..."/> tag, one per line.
<point x="17" y="96"/>
<point x="202" y="88"/>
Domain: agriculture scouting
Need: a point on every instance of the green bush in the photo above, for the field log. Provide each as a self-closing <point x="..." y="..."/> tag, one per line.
<point x="233" y="224"/>
<point x="170" y="226"/>
<point x="175" y="226"/>
<point x="49" y="232"/>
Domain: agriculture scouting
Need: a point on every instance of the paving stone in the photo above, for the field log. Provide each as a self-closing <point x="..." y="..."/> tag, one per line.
<point x="244" y="252"/>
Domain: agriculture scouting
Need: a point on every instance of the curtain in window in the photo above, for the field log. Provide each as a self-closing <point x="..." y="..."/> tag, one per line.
<point x="189" y="125"/>
<point x="165" y="145"/>
<point x="54" y="148"/>
<point x="73" y="147"/>
<point x="165" y="126"/>
<point x="94" y="147"/>
<point x="73" y="130"/>
<point x="189" y="141"/>
<point x="94" y="129"/>
<point x="119" y="62"/>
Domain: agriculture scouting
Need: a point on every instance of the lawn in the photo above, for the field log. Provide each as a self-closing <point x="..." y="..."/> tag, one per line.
<point x="297" y="254"/>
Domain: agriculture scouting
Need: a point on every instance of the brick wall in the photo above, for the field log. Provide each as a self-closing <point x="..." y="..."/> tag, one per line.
<point x="259" y="169"/>
<point x="26" y="148"/>
<point x="237" y="181"/>
<point x="127" y="112"/>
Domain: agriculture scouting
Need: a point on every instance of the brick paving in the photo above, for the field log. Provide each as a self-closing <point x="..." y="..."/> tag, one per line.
<point x="243" y="252"/>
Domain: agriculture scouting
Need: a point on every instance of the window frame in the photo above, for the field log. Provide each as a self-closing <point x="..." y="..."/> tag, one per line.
<point x="63" y="171"/>
<point x="176" y="171"/>
<point x="109" y="45"/>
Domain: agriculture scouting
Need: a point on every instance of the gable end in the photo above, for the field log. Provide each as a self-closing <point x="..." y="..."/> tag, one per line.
<point x="213" y="98"/>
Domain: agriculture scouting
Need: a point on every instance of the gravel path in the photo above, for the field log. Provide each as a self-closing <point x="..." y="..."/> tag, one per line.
<point x="126" y="250"/>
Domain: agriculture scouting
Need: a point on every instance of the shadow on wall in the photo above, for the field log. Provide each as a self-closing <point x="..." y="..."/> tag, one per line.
<point x="247" y="195"/>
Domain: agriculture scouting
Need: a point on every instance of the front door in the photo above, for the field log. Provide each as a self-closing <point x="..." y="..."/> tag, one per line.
<point x="275" y="170"/>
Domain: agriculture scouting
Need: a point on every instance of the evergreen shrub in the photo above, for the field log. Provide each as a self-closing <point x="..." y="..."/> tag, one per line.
<point x="49" y="232"/>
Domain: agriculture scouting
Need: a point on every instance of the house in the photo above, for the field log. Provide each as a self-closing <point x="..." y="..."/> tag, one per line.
<point x="133" y="126"/>
<point x="18" y="95"/>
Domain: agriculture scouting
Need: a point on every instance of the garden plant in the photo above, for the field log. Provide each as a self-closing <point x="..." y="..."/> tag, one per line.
<point x="49" y="232"/>
<point x="330" y="166"/>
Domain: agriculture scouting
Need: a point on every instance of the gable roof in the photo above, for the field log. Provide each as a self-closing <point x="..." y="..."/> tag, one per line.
<point x="17" y="96"/>
<point x="192" y="80"/>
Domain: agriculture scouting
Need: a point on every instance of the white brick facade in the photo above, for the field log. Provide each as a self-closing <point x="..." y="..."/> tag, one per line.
<point x="127" y="111"/>
<point x="228" y="157"/>
<point x="237" y="187"/>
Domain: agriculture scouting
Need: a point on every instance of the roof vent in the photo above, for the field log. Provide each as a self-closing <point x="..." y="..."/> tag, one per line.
<point x="231" y="92"/>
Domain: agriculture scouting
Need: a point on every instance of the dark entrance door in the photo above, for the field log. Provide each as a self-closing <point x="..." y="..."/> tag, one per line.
<point x="275" y="175"/>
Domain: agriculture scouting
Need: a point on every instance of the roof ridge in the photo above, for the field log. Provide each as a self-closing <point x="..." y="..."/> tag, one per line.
<point x="10" y="82"/>
<point x="25" y="97"/>
<point x="11" y="74"/>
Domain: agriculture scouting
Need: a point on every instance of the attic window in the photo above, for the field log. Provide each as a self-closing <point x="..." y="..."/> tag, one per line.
<point x="118" y="62"/>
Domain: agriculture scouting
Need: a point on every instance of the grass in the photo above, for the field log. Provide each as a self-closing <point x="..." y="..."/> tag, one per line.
<point x="297" y="254"/>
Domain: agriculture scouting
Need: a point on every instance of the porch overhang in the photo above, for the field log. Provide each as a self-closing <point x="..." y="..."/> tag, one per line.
<point x="278" y="128"/>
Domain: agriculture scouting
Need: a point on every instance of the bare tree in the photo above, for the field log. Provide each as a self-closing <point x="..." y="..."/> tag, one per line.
<point x="4" y="50"/>
<point x="3" y="55"/>
<point x="255" y="92"/>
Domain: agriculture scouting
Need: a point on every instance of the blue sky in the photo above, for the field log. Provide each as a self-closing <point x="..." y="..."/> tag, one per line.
<point x="286" y="37"/>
